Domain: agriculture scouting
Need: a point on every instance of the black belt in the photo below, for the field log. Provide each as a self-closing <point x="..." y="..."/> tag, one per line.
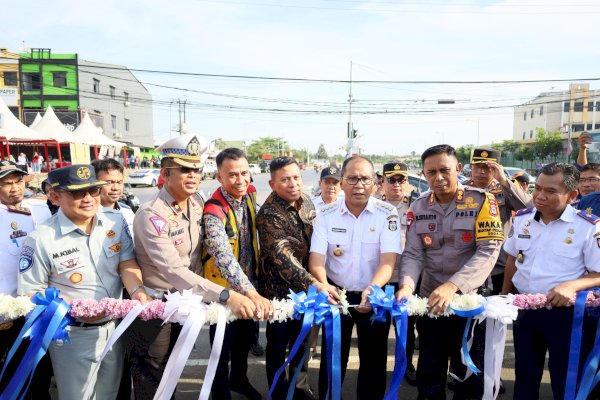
<point x="90" y="325"/>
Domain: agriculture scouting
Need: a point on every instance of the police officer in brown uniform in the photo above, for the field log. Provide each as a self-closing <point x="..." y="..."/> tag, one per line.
<point x="488" y="174"/>
<point x="453" y="242"/>
<point x="168" y="242"/>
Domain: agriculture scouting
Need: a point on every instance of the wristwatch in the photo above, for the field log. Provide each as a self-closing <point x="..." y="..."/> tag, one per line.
<point x="224" y="296"/>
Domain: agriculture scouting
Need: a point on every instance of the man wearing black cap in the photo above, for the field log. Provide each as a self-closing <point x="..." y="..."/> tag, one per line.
<point x="329" y="185"/>
<point x="488" y="174"/>
<point x="86" y="252"/>
<point x="17" y="220"/>
<point x="521" y="180"/>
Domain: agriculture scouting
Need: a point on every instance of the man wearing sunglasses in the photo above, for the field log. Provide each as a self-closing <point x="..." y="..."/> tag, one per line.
<point x="17" y="220"/>
<point x="168" y="245"/>
<point x="354" y="244"/>
<point x="86" y="252"/>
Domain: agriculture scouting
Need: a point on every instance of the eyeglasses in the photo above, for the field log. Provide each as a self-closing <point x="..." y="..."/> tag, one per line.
<point x="353" y="180"/>
<point x="393" y="181"/>
<point x="187" y="170"/>
<point x="589" y="180"/>
<point x="80" y="194"/>
<point x="10" y="183"/>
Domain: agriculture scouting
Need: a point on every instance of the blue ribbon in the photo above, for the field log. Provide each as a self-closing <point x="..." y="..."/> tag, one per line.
<point x="311" y="307"/>
<point x="45" y="323"/>
<point x="468" y="314"/>
<point x="384" y="303"/>
<point x="575" y="388"/>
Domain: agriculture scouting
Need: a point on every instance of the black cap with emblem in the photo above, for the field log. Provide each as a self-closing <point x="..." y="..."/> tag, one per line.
<point x="330" y="172"/>
<point x="481" y="155"/>
<point x="395" y="168"/>
<point x="74" y="177"/>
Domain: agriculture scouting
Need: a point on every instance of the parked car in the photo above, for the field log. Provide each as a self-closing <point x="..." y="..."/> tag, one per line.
<point x="254" y="169"/>
<point x="511" y="171"/>
<point x="147" y="177"/>
<point x="129" y="197"/>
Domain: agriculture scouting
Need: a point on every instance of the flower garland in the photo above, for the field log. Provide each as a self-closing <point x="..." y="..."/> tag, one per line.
<point x="14" y="307"/>
<point x="537" y="301"/>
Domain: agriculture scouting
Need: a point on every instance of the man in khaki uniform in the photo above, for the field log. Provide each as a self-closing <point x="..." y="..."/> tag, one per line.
<point x="168" y="238"/>
<point x="453" y="242"/>
<point x="489" y="175"/>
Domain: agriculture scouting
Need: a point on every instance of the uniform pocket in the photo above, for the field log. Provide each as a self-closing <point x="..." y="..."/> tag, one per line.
<point x="464" y="232"/>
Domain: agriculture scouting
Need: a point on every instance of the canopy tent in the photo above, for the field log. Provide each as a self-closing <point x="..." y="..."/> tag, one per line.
<point x="36" y="120"/>
<point x="93" y="135"/>
<point x="51" y="126"/>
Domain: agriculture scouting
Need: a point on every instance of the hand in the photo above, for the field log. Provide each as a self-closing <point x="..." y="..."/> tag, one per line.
<point x="562" y="295"/>
<point x="497" y="171"/>
<point x="264" y="308"/>
<point x="584" y="140"/>
<point x="440" y="298"/>
<point x="405" y="291"/>
<point x="364" y="306"/>
<point x="241" y="306"/>
<point x="333" y="296"/>
<point x="141" y="296"/>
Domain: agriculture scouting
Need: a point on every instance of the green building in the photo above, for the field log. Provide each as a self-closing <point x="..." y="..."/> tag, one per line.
<point x="49" y="79"/>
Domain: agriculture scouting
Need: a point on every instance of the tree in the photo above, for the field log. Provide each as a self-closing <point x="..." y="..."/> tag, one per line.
<point x="547" y="144"/>
<point x="321" y="153"/>
<point x="463" y="153"/>
<point x="267" y="145"/>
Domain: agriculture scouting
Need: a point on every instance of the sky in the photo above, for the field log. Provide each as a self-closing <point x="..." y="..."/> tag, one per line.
<point x="401" y="56"/>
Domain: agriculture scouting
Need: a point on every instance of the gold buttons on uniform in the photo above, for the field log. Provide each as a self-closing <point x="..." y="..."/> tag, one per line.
<point x="568" y="240"/>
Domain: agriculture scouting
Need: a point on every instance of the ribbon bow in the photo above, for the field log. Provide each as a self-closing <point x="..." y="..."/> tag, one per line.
<point x="466" y="343"/>
<point x="384" y="303"/>
<point x="47" y="322"/>
<point x="313" y="307"/>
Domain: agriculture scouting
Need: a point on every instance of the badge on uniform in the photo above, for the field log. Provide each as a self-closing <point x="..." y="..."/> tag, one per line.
<point x="158" y="223"/>
<point x="178" y="241"/>
<point x="14" y="225"/>
<point x="71" y="263"/>
<point x="110" y="234"/>
<point x="393" y="225"/>
<point x="520" y="256"/>
<point x="467" y="237"/>
<point x="338" y="251"/>
<point x="432" y="227"/>
<point x="116" y="247"/>
<point x="427" y="240"/>
<point x="568" y="240"/>
<point x="26" y="260"/>
<point x="76" y="277"/>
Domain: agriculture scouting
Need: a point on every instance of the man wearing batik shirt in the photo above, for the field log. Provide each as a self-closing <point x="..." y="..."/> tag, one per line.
<point x="285" y="225"/>
<point x="230" y="259"/>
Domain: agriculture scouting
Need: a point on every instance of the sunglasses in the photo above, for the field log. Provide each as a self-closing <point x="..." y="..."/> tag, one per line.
<point x="187" y="170"/>
<point x="392" y="181"/>
<point x="80" y="194"/>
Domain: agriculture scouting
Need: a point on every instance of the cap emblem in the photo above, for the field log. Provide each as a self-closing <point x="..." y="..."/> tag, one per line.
<point x="397" y="167"/>
<point x="193" y="147"/>
<point x="484" y="154"/>
<point x="83" y="173"/>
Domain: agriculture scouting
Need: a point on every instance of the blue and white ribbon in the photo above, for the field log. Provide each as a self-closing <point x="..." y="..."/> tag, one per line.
<point x="466" y="342"/>
<point x="384" y="303"/>
<point x="46" y="323"/>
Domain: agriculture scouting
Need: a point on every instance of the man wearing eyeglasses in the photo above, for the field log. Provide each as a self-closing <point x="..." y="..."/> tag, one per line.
<point x="354" y="244"/>
<point x="18" y="218"/>
<point x="168" y="246"/>
<point x="86" y="252"/>
<point x="452" y="244"/>
<point x="111" y="171"/>
<point x="589" y="189"/>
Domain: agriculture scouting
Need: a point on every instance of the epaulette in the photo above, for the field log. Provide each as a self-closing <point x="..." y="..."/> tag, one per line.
<point x="494" y="191"/>
<point x="329" y="207"/>
<point x="474" y="189"/>
<point x="387" y="206"/>
<point x="524" y="211"/>
<point x="19" y="210"/>
<point x="588" y="216"/>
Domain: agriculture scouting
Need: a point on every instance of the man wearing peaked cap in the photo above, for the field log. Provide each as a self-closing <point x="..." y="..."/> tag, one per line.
<point x="84" y="251"/>
<point x="329" y="186"/>
<point x="168" y="245"/>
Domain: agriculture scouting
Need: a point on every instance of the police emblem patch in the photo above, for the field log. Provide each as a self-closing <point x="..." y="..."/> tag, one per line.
<point x="83" y="173"/>
<point x="76" y="277"/>
<point x="116" y="247"/>
<point x="393" y="225"/>
<point x="26" y="260"/>
<point x="110" y="234"/>
<point x="158" y="223"/>
<point x="427" y="240"/>
<point x="193" y="147"/>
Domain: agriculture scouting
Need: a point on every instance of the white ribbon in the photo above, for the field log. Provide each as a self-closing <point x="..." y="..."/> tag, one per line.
<point x="215" y="353"/>
<point x="128" y="320"/>
<point x="188" y="310"/>
<point x="499" y="312"/>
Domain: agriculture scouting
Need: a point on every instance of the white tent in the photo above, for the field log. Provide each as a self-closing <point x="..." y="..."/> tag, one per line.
<point x="36" y="120"/>
<point x="93" y="135"/>
<point x="51" y="126"/>
<point x="12" y="130"/>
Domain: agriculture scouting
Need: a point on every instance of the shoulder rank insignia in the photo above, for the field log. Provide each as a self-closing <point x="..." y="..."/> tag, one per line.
<point x="588" y="217"/>
<point x="19" y="210"/>
<point x="431" y="199"/>
<point x="460" y="195"/>
<point x="384" y="205"/>
<point x="524" y="211"/>
<point x="329" y="207"/>
<point x="405" y="199"/>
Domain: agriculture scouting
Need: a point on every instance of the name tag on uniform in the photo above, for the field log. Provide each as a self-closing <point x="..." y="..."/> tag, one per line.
<point x="339" y="230"/>
<point x="522" y="236"/>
